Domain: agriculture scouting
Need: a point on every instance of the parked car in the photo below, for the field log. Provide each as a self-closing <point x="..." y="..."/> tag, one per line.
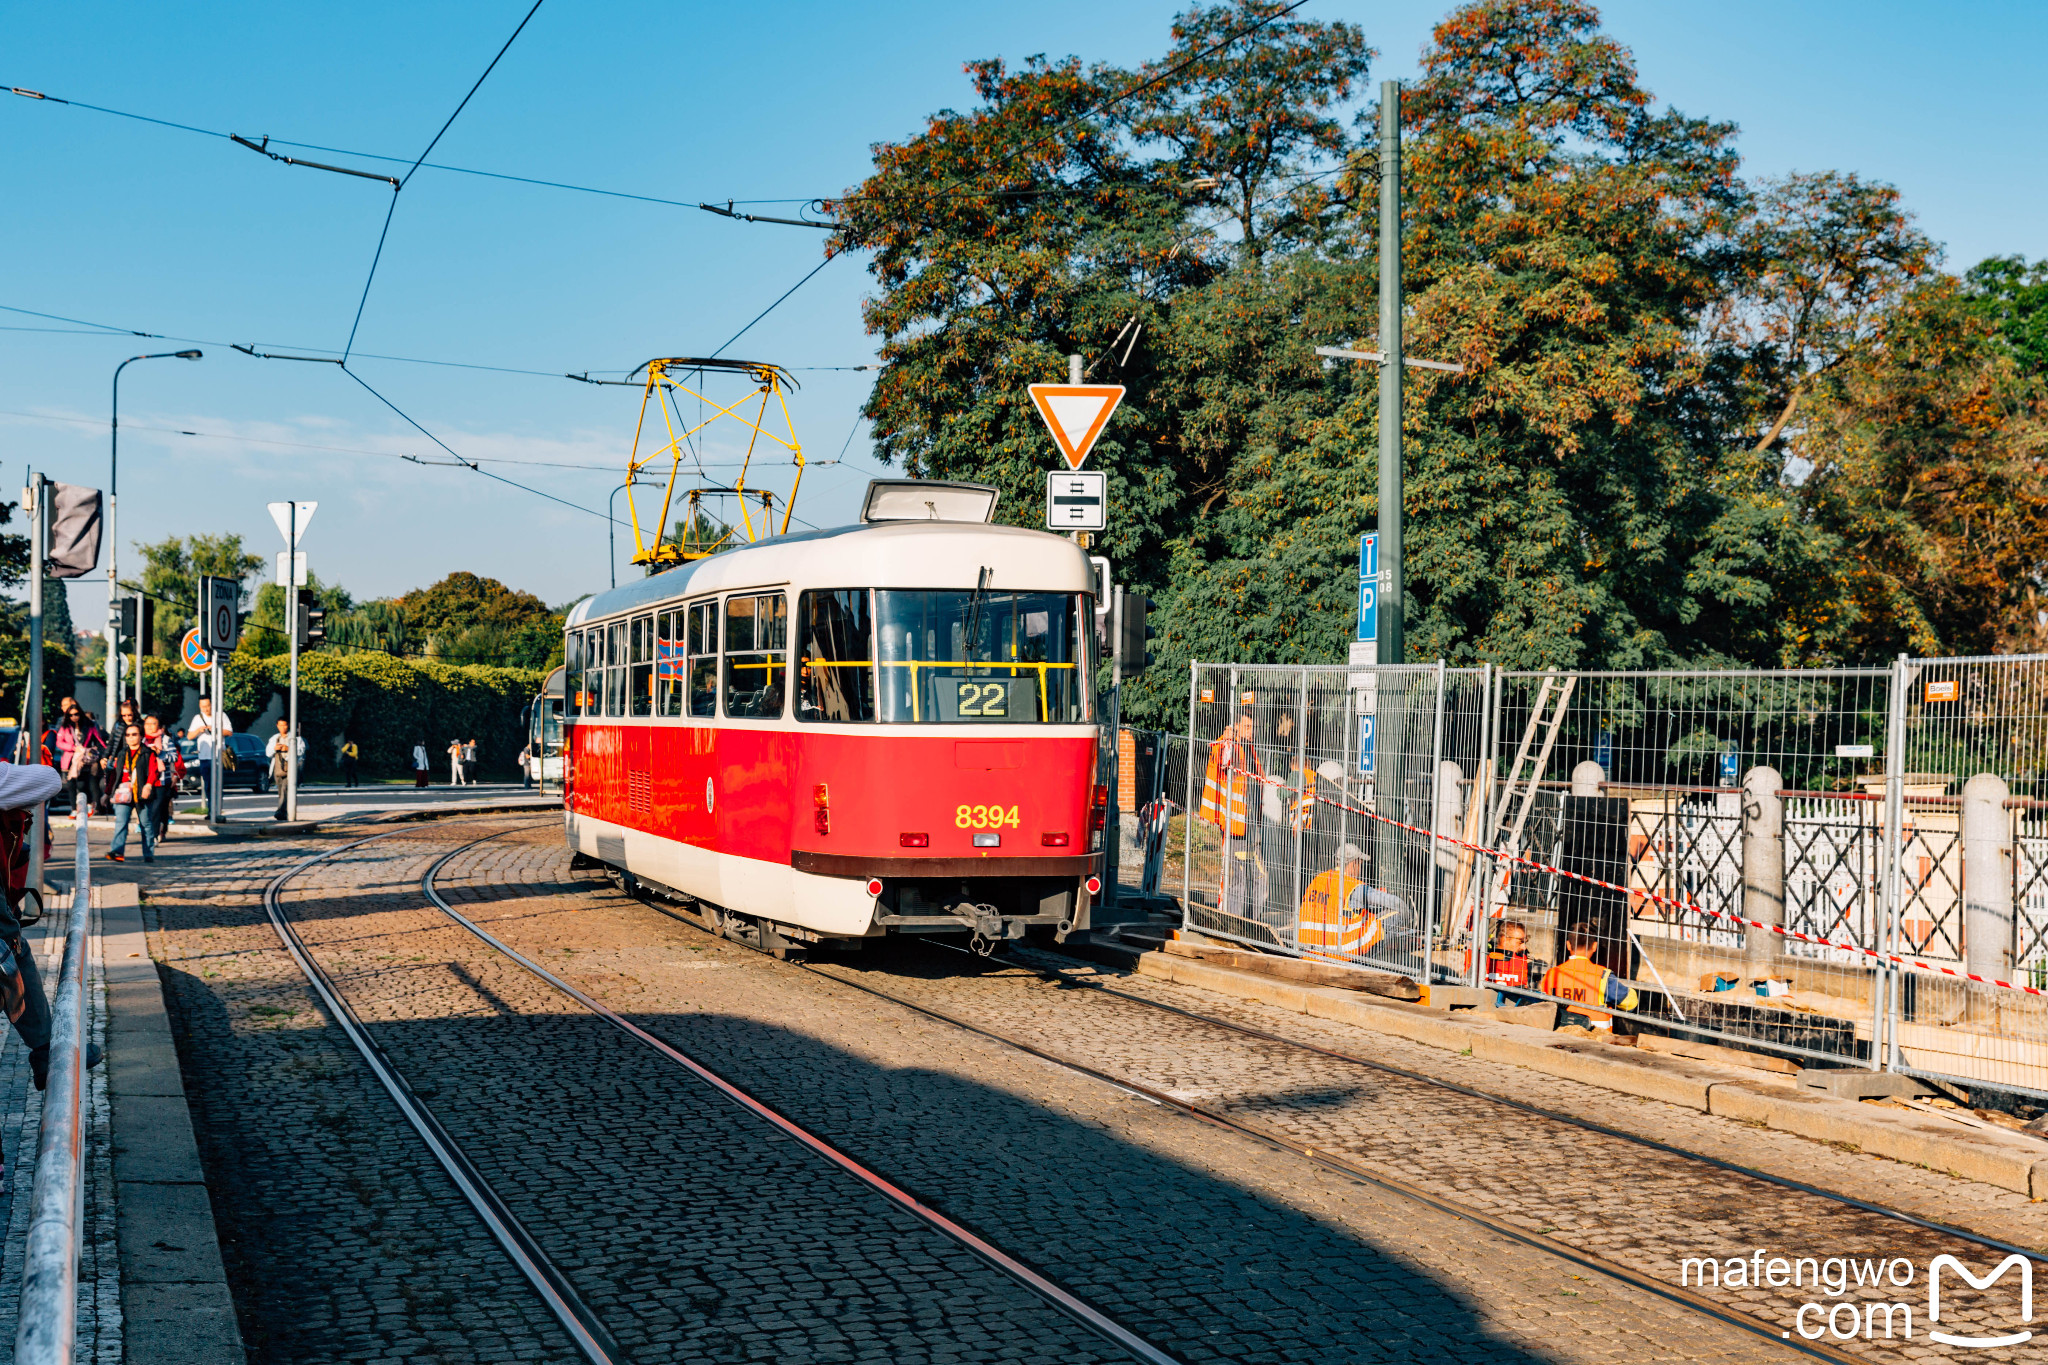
<point x="251" y="769"/>
<point x="190" y="784"/>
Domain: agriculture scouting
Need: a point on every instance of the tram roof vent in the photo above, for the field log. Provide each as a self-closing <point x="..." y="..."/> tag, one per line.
<point x="928" y="500"/>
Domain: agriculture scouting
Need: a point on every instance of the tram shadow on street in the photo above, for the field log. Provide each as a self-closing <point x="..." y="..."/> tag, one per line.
<point x="696" y="1231"/>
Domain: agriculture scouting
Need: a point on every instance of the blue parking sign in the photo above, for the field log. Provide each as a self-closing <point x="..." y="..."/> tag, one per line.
<point x="1365" y="744"/>
<point x="1368" y="586"/>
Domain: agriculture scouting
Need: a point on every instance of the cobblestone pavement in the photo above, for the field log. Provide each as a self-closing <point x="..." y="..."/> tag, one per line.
<point x="696" y="1235"/>
<point x="1213" y="1245"/>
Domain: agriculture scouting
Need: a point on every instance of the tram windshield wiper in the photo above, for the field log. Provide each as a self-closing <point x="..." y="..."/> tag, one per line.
<point x="974" y="601"/>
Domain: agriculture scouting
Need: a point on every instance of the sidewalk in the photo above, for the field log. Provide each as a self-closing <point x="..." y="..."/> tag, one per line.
<point x="152" y="1290"/>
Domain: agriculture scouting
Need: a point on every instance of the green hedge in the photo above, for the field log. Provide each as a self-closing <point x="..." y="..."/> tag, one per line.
<point x="387" y="705"/>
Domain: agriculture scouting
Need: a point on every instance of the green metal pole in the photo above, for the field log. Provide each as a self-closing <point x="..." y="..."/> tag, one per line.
<point x="1391" y="651"/>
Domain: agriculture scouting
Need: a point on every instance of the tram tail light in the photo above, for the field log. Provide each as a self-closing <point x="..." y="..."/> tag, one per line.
<point x="874" y="886"/>
<point x="821" y="797"/>
<point x="1098" y="808"/>
<point x="1053" y="840"/>
<point x="822" y="821"/>
<point x="913" y="841"/>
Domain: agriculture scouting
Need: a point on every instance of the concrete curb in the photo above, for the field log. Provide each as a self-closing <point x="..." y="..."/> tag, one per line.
<point x="2008" y="1161"/>
<point x="174" y="1291"/>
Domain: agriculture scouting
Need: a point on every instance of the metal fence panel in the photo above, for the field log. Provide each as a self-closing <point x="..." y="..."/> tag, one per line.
<point x="1338" y="778"/>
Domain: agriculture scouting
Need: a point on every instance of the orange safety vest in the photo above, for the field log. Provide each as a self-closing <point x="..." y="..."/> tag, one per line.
<point x="1328" y="926"/>
<point x="1305" y="802"/>
<point x="1226" y="789"/>
<point x="1583" y="982"/>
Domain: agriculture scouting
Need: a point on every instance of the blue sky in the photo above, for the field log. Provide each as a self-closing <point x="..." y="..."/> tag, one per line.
<point x="143" y="227"/>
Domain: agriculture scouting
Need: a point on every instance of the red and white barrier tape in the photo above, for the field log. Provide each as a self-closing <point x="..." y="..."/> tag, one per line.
<point x="1674" y="903"/>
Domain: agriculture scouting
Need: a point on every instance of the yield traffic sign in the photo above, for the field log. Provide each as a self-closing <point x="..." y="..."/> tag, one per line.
<point x="1076" y="415"/>
<point x="281" y="513"/>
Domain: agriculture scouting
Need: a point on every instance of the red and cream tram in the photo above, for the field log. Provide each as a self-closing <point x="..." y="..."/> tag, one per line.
<point x="833" y="735"/>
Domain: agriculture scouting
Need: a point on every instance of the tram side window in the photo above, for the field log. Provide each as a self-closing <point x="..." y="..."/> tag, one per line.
<point x="615" y="669"/>
<point x="703" y="655"/>
<point x="640" y="675"/>
<point x="572" y="670"/>
<point x="836" y="656"/>
<point x="756" y="655"/>
<point x="668" y="665"/>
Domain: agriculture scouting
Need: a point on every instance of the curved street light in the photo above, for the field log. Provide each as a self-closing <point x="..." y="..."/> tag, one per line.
<point x="113" y="541"/>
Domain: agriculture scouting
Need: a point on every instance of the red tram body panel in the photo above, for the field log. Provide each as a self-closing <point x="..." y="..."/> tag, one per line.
<point x="845" y="733"/>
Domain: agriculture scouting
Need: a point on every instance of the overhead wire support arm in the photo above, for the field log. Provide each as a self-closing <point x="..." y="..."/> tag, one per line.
<point x="1380" y="358"/>
<point x="274" y="355"/>
<point x="729" y="212"/>
<point x="264" y="148"/>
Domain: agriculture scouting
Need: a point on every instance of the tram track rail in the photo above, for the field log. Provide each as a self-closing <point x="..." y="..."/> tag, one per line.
<point x="595" y="1342"/>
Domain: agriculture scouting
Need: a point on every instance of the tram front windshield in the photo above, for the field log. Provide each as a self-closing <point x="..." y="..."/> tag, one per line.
<point x="986" y="658"/>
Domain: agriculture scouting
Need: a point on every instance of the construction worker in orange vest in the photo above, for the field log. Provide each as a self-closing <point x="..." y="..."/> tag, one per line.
<point x="1228" y="792"/>
<point x="1583" y="982"/>
<point x="1334" y="920"/>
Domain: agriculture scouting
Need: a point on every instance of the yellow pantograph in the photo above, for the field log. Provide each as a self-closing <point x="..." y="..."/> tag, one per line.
<point x="665" y="379"/>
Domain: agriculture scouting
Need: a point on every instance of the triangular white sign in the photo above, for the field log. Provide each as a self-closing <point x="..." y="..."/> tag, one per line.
<point x="281" y="513"/>
<point x="1076" y="415"/>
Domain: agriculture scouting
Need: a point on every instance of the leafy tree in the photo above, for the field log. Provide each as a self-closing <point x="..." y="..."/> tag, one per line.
<point x="171" y="570"/>
<point x="1928" y="449"/>
<point x="264" y="634"/>
<point x="2013" y="295"/>
<point x="464" y="600"/>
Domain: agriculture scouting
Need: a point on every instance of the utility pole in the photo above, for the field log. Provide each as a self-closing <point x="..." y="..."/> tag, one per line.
<point x="32" y="694"/>
<point x="1391" y="505"/>
<point x="291" y="598"/>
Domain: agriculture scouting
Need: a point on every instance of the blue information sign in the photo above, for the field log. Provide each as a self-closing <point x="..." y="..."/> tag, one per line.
<point x="1731" y="775"/>
<point x="1365" y="744"/>
<point x="1369" y="586"/>
<point x="1603" y="750"/>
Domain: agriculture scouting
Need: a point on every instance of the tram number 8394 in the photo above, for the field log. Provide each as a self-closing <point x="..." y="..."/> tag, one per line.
<point x="984" y="817"/>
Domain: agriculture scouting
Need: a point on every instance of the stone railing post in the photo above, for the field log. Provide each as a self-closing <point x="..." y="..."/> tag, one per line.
<point x="1763" y="868"/>
<point x="1987" y="878"/>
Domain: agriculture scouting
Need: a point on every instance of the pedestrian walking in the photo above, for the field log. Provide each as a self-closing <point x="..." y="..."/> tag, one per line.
<point x="454" y="762"/>
<point x="276" y="750"/>
<point x="348" y="762"/>
<point x="526" y="765"/>
<point x="171" y="766"/>
<point x="420" y="768"/>
<point x="469" y="763"/>
<point x="79" y="748"/>
<point x="208" y="734"/>
<point x="135" y="777"/>
<point x="23" y="787"/>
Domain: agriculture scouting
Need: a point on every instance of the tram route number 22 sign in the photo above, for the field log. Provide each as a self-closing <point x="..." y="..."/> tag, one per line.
<point x="992" y="699"/>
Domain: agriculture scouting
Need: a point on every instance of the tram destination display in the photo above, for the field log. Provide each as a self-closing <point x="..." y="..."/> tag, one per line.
<point x="968" y="698"/>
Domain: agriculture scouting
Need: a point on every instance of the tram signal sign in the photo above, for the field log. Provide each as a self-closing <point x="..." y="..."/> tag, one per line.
<point x="1076" y="415"/>
<point x="1078" y="501"/>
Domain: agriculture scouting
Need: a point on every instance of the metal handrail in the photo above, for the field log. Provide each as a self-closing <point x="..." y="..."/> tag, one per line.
<point x="49" y="1281"/>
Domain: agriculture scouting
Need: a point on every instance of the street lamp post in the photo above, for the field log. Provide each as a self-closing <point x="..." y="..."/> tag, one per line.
<point x="113" y="541"/>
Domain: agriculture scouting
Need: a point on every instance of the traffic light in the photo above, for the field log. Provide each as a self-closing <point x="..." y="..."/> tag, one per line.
<point x="1131" y="648"/>
<point x="127" y="619"/>
<point x="148" y="623"/>
<point x="310" y="620"/>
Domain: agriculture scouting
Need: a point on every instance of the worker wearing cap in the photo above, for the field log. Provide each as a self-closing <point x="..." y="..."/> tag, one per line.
<point x="1582" y="982"/>
<point x="1340" y="915"/>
